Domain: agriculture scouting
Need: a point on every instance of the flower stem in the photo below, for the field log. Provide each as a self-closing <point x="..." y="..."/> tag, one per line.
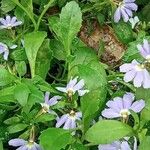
<point x="50" y="3"/>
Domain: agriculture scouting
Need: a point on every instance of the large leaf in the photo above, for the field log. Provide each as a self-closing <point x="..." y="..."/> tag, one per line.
<point x="87" y="67"/>
<point x="5" y="77"/>
<point x="55" y="139"/>
<point x="67" y="27"/>
<point x="107" y="131"/>
<point x="33" y="42"/>
<point x="43" y="60"/>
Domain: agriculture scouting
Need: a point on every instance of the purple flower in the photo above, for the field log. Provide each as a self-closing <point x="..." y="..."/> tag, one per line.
<point x="24" y="145"/>
<point x="9" y="22"/>
<point x="73" y="87"/>
<point x="117" y="145"/>
<point x="49" y="102"/>
<point x="124" y="10"/>
<point x="144" y="49"/>
<point x="136" y="72"/>
<point x="5" y="51"/>
<point x="120" y="107"/>
<point x="69" y="120"/>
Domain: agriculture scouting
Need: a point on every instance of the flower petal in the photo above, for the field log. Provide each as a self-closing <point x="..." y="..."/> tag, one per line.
<point x="62" y="89"/>
<point x="131" y="6"/>
<point x="54" y="100"/>
<point x="125" y="146"/>
<point x="47" y="97"/>
<point x="72" y="83"/>
<point x="124" y="15"/>
<point x="68" y="124"/>
<point x="146" y="82"/>
<point x="17" y="142"/>
<point x="128" y="98"/>
<point x="126" y="67"/>
<point x="129" y="76"/>
<point x="79" y="85"/>
<point x="61" y="120"/>
<point x="138" y="80"/>
<point x="138" y="106"/>
<point x="117" y="15"/>
<point x="146" y="47"/>
<point x="82" y="92"/>
<point x="110" y="113"/>
<point x="142" y="51"/>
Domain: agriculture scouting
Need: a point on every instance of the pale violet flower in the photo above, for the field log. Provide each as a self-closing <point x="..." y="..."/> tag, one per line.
<point x="69" y="120"/>
<point x="73" y="86"/>
<point x="144" y="49"/>
<point x="124" y="10"/>
<point x="136" y="72"/>
<point x="9" y="22"/>
<point x="117" y="145"/>
<point x="5" y="50"/>
<point x="134" y="21"/>
<point x="120" y="107"/>
<point x="49" y="102"/>
<point x="24" y="145"/>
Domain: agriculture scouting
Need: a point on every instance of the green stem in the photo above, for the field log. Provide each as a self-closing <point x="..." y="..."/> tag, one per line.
<point x="26" y="11"/>
<point x="43" y="12"/>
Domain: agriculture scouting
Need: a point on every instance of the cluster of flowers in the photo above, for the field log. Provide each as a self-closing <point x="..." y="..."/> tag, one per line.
<point x="139" y="72"/>
<point x="69" y="120"/>
<point x="7" y="23"/>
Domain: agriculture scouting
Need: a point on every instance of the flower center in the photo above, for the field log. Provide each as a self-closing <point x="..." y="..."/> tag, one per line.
<point x="69" y="92"/>
<point x="30" y="144"/>
<point x="45" y="107"/>
<point x="72" y="114"/>
<point x="148" y="57"/>
<point x="124" y="113"/>
<point x="140" y="67"/>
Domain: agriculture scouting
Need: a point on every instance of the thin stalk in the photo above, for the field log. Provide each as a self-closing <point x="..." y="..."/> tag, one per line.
<point x="26" y="11"/>
<point x="43" y="12"/>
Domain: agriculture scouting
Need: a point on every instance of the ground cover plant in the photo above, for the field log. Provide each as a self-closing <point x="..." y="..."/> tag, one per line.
<point x="74" y="75"/>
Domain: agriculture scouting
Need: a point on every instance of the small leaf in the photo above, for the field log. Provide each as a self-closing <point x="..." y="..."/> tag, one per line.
<point x="21" y="93"/>
<point x="55" y="139"/>
<point x="123" y="31"/>
<point x="5" y="77"/>
<point x="12" y="120"/>
<point x="107" y="131"/>
<point x="21" y="67"/>
<point x="7" y="5"/>
<point x="16" y="128"/>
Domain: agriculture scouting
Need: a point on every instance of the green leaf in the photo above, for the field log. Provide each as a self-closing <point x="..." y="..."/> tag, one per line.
<point x="5" y="77"/>
<point x="21" y="93"/>
<point x="18" y="55"/>
<point x="12" y="120"/>
<point x="45" y="117"/>
<point x="78" y="146"/>
<point x="145" y="13"/>
<point x="55" y="139"/>
<point x="7" y="5"/>
<point x="33" y="42"/>
<point x="57" y="49"/>
<point x="145" y="144"/>
<point x="1" y="145"/>
<point x="142" y="93"/>
<point x="107" y="131"/>
<point x="43" y="59"/>
<point x="123" y="31"/>
<point x="69" y="24"/>
<point x="16" y="128"/>
<point x="21" y="68"/>
<point x="7" y="94"/>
